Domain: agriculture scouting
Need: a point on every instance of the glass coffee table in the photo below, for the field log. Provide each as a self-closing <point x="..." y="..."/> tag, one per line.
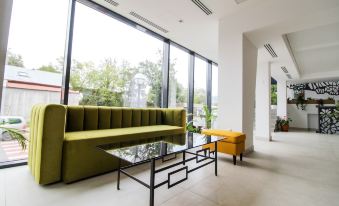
<point x="166" y="150"/>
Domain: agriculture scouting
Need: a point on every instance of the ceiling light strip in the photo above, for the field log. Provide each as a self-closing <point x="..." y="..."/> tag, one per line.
<point x="202" y="6"/>
<point x="112" y="2"/>
<point x="141" y="18"/>
<point x="284" y="69"/>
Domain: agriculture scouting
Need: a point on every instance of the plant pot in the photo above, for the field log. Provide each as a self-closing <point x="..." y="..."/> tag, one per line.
<point x="285" y="128"/>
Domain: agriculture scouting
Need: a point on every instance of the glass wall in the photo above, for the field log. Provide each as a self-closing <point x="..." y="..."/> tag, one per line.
<point x="178" y="78"/>
<point x="33" y="67"/>
<point x="200" y="91"/>
<point x="215" y="96"/>
<point x="114" y="64"/>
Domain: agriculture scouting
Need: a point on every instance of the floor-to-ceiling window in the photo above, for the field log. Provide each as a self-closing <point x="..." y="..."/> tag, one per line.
<point x="215" y="95"/>
<point x="178" y="78"/>
<point x="33" y="70"/>
<point x="113" y="63"/>
<point x="200" y="91"/>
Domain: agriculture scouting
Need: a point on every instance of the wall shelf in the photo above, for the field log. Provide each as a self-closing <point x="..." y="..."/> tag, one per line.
<point x="312" y="101"/>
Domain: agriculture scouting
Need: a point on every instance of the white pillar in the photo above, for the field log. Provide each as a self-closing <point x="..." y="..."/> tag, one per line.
<point x="281" y="99"/>
<point x="237" y="72"/>
<point x="263" y="101"/>
<point x="5" y="18"/>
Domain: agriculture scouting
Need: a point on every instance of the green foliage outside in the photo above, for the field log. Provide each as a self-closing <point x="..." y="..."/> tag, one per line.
<point x="49" y="68"/>
<point x="108" y="83"/>
<point x="273" y="94"/>
<point x="15" y="59"/>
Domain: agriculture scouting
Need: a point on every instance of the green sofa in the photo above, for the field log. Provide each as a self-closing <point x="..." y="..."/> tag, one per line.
<point x="63" y="139"/>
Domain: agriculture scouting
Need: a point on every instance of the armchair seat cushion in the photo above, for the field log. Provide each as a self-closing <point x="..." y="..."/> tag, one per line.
<point x="232" y="137"/>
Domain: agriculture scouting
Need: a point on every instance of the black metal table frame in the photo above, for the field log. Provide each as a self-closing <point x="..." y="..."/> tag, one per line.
<point x="152" y="186"/>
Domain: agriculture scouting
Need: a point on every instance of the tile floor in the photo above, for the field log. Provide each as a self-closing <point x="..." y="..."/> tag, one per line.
<point x="295" y="169"/>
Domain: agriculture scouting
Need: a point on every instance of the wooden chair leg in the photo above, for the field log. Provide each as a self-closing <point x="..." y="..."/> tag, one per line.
<point x="241" y="157"/>
<point x="234" y="159"/>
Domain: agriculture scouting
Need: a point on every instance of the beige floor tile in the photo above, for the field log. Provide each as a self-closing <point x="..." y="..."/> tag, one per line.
<point x="295" y="169"/>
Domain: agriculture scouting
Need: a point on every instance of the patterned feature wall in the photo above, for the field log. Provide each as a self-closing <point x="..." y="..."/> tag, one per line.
<point x="328" y="87"/>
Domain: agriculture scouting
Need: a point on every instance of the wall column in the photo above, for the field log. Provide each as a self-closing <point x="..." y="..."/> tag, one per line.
<point x="5" y="18"/>
<point x="263" y="101"/>
<point x="237" y="72"/>
<point x="281" y="99"/>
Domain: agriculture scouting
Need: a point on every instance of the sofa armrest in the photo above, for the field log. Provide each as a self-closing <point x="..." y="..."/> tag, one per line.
<point x="47" y="131"/>
<point x="174" y="117"/>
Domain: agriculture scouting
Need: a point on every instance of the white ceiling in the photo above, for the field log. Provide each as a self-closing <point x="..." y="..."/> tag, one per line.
<point x="262" y="21"/>
<point x="198" y="32"/>
<point x="316" y="49"/>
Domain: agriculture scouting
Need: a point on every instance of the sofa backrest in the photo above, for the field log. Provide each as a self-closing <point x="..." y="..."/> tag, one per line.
<point x="80" y="118"/>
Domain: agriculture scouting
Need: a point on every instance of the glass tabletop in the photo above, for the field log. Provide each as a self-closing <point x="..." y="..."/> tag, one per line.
<point x="147" y="151"/>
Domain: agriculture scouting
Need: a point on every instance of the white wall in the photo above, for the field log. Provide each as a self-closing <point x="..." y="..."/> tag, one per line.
<point x="263" y="101"/>
<point x="5" y="18"/>
<point x="281" y="98"/>
<point x="237" y="71"/>
<point x="250" y="56"/>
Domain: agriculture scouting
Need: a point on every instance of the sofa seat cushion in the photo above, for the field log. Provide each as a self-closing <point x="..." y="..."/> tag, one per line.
<point x="231" y="137"/>
<point x="125" y="134"/>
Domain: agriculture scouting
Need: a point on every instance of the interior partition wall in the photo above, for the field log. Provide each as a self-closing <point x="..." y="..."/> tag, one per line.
<point x="68" y="57"/>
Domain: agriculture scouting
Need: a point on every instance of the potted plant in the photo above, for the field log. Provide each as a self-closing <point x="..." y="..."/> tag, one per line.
<point x="301" y="101"/>
<point x="191" y="128"/>
<point x="285" y="124"/>
<point x="277" y="124"/>
<point x="208" y="117"/>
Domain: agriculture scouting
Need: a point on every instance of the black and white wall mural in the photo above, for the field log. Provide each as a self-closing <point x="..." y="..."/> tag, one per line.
<point x="327" y="87"/>
<point x="321" y="105"/>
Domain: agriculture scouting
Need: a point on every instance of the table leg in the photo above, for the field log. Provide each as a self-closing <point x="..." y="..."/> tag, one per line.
<point x="184" y="157"/>
<point x="216" y="158"/>
<point x="151" y="201"/>
<point x="118" y="182"/>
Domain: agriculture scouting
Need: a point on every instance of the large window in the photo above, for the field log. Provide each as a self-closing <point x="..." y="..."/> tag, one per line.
<point x="215" y="96"/>
<point x="178" y="78"/>
<point x="114" y="64"/>
<point x="33" y="69"/>
<point x="200" y="91"/>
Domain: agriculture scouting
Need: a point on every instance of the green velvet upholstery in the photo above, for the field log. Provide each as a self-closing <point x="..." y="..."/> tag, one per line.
<point x="64" y="138"/>
<point x="46" y="141"/>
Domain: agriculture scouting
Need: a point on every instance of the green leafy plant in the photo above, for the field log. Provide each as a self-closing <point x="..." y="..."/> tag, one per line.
<point x="301" y="101"/>
<point x="285" y="121"/>
<point x="208" y="116"/>
<point x="191" y="128"/>
<point x="16" y="135"/>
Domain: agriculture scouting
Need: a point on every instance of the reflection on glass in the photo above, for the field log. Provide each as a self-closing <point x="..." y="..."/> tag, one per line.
<point x="113" y="63"/>
<point x="178" y="78"/>
<point x="142" y="152"/>
<point x="200" y="92"/>
<point x="33" y="67"/>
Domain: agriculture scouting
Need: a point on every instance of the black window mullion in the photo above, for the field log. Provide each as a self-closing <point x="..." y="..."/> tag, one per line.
<point x="165" y="73"/>
<point x="68" y="53"/>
